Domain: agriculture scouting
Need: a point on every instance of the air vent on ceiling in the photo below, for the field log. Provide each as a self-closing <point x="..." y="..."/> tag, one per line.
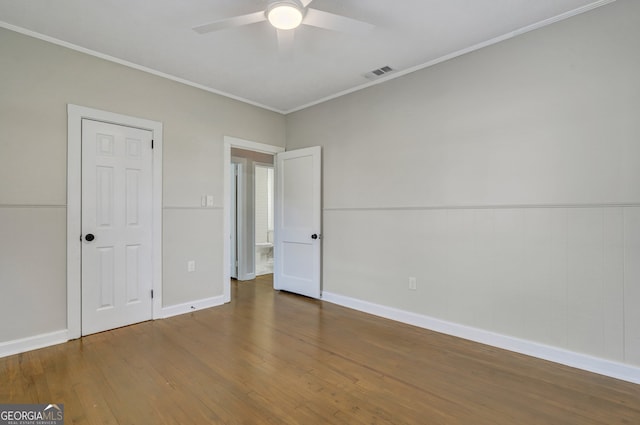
<point x="377" y="73"/>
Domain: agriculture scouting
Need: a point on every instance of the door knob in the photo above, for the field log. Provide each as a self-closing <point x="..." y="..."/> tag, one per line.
<point x="89" y="237"/>
<point x="314" y="236"/>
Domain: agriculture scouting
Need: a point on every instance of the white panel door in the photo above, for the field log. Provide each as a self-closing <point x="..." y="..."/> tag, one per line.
<point x="298" y="248"/>
<point x="116" y="226"/>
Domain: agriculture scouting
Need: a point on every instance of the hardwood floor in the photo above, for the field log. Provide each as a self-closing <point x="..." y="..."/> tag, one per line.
<point x="276" y="358"/>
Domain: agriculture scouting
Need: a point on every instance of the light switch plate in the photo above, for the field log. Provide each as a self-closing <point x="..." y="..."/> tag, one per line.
<point x="210" y="200"/>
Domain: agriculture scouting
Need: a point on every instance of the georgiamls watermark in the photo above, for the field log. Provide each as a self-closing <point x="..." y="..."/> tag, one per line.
<point x="31" y="414"/>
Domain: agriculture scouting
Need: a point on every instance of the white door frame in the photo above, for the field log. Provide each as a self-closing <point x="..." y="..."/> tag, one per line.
<point x="75" y="114"/>
<point x="243" y="271"/>
<point x="232" y="142"/>
<point x="233" y="220"/>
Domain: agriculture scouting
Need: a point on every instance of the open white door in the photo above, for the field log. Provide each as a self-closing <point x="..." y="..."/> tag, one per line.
<point x="298" y="196"/>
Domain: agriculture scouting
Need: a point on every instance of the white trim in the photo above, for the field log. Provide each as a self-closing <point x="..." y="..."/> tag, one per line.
<point x="128" y="64"/>
<point x="392" y="76"/>
<point x="52" y="206"/>
<point x="175" y="310"/>
<point x="609" y="368"/>
<point x="243" y="272"/>
<point x="233" y="235"/>
<point x="22" y="345"/>
<point x="234" y="142"/>
<point x="75" y="114"/>
<point x="487" y="207"/>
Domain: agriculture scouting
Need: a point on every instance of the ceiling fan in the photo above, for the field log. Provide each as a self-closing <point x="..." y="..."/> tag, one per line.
<point x="285" y="16"/>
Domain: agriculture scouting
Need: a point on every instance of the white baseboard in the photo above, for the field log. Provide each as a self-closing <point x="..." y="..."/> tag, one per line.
<point x="558" y="355"/>
<point x="17" y="346"/>
<point x="175" y="310"/>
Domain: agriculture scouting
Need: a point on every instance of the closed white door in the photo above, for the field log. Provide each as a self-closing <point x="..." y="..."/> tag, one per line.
<point x="298" y="221"/>
<point x="116" y="226"/>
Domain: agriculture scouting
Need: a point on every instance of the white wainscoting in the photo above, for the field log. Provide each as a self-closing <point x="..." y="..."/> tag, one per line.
<point x="560" y="282"/>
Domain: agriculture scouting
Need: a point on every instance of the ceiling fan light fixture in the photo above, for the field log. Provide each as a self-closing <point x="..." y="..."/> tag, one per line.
<point x="285" y="14"/>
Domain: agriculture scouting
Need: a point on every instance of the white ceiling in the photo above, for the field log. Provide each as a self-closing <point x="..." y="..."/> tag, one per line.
<point x="244" y="62"/>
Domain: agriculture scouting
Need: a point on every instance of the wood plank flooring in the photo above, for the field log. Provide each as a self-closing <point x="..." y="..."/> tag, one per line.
<point x="275" y="358"/>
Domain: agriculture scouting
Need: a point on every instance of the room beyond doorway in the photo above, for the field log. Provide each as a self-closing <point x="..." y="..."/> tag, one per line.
<point x="251" y="218"/>
<point x="229" y="144"/>
<point x="263" y="215"/>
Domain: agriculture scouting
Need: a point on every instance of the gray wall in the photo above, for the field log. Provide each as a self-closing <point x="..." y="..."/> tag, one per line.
<point x="37" y="81"/>
<point x="507" y="181"/>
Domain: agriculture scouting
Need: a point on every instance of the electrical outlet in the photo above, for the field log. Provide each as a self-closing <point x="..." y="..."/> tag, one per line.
<point x="203" y="201"/>
<point x="413" y="284"/>
<point x="191" y="266"/>
<point x="210" y="201"/>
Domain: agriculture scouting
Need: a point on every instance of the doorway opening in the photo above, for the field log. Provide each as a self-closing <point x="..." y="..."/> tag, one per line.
<point x="251" y="203"/>
<point x="297" y="216"/>
<point x="244" y="156"/>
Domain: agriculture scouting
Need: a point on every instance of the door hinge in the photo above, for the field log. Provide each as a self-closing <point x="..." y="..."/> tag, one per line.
<point x="151" y="143"/>
<point x="152" y="294"/>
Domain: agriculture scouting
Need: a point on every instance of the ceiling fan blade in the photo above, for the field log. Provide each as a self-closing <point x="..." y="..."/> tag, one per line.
<point x="285" y="43"/>
<point x="330" y="21"/>
<point x="236" y="21"/>
<point x="305" y="3"/>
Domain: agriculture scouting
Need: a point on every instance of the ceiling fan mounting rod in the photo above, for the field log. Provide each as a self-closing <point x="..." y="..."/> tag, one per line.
<point x="296" y="3"/>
